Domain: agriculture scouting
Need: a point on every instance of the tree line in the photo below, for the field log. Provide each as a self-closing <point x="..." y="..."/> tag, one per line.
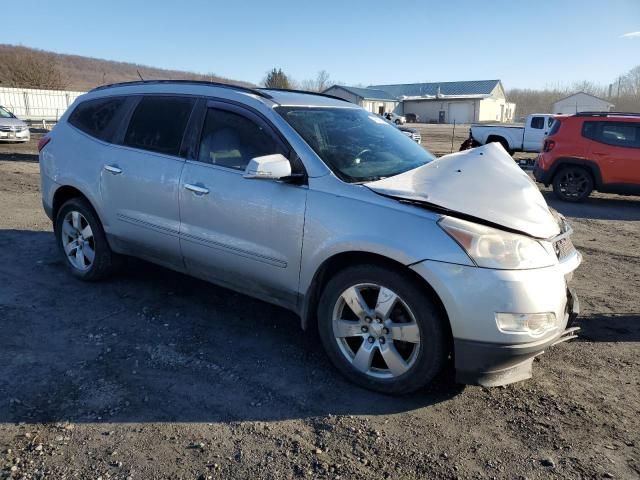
<point x="623" y="92"/>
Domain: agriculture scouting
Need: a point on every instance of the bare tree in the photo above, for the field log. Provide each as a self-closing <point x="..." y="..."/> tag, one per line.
<point x="318" y="84"/>
<point x="276" y="78"/>
<point x="32" y="69"/>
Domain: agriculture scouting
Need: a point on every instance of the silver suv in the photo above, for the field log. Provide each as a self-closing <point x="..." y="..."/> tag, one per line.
<point x="403" y="262"/>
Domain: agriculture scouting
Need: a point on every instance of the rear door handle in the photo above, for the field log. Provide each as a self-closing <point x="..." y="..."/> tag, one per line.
<point x="196" y="189"/>
<point x="113" y="169"/>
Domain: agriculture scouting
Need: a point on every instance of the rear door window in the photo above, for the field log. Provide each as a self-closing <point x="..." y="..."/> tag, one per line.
<point x="619" y="134"/>
<point x="158" y="124"/>
<point x="99" y="118"/>
<point x="537" y="122"/>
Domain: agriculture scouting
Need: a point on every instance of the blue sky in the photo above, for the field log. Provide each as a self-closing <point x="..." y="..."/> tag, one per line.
<point x="524" y="43"/>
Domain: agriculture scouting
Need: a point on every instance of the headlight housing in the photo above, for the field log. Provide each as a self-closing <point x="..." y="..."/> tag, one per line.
<point x="492" y="248"/>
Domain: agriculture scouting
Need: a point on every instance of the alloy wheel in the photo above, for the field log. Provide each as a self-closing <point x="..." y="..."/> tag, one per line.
<point x="77" y="240"/>
<point x="376" y="331"/>
<point x="574" y="183"/>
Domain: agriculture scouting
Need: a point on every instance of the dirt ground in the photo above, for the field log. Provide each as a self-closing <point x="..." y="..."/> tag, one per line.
<point x="153" y="374"/>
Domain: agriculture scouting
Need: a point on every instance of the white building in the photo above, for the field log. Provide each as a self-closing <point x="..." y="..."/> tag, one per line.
<point x="375" y="101"/>
<point x="581" y="102"/>
<point x="440" y="102"/>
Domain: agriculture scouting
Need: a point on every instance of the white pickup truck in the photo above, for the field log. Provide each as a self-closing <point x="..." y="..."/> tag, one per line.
<point x="527" y="138"/>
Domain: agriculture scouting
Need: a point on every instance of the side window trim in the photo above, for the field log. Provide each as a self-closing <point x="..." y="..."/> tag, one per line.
<point x="193" y="132"/>
<point x="130" y="106"/>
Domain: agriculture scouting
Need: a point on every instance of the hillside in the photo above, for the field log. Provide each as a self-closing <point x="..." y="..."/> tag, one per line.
<point x="28" y="67"/>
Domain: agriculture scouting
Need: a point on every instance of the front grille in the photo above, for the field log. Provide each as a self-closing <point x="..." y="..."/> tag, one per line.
<point x="563" y="248"/>
<point x="416" y="137"/>
<point x="5" y="128"/>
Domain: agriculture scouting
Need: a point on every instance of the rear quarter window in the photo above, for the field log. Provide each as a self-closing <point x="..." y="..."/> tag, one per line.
<point x="99" y="117"/>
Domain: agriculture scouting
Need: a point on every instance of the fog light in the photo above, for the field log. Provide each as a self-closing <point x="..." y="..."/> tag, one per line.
<point x="532" y="323"/>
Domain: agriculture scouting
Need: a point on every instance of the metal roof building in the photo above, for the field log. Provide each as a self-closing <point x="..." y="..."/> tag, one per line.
<point x="372" y="99"/>
<point x="435" y="102"/>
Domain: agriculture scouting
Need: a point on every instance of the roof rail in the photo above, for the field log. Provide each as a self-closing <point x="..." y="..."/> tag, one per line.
<point x="606" y="114"/>
<point x="292" y="90"/>
<point x="254" y="91"/>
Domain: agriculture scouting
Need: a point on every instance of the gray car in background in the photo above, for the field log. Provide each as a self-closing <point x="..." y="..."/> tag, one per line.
<point x="403" y="262"/>
<point x="12" y="129"/>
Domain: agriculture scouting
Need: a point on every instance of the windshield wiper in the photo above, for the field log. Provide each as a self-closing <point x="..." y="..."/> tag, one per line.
<point x="368" y="179"/>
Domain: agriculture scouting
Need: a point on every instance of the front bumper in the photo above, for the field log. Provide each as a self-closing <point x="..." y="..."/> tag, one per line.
<point x="21" y="136"/>
<point x="472" y="296"/>
<point x="492" y="365"/>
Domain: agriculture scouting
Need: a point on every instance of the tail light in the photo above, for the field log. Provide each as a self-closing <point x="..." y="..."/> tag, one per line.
<point x="548" y="145"/>
<point x="43" y="142"/>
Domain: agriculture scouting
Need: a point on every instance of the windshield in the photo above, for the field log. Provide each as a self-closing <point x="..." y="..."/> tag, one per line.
<point x="4" y="113"/>
<point x="357" y="145"/>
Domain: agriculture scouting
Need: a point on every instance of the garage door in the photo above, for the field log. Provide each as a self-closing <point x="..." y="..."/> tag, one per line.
<point x="461" y="112"/>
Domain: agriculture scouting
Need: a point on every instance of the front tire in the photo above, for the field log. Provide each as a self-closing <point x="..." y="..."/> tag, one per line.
<point x="82" y="241"/>
<point x="381" y="329"/>
<point x="572" y="184"/>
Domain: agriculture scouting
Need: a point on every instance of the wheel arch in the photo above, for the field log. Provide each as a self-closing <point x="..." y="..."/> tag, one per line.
<point x="592" y="167"/>
<point x="342" y="260"/>
<point x="66" y="192"/>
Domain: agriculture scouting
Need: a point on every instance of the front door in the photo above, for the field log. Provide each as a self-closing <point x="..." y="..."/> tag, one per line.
<point x="140" y="180"/>
<point x="242" y="233"/>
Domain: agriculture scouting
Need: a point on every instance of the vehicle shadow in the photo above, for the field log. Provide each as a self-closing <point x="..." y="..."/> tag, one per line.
<point x="610" y="207"/>
<point x="624" y="327"/>
<point x="153" y="345"/>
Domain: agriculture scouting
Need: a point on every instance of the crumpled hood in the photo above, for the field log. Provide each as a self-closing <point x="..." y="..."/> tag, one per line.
<point x="484" y="183"/>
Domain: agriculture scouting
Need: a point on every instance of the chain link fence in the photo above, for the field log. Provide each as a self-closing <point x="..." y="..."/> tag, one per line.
<point x="35" y="106"/>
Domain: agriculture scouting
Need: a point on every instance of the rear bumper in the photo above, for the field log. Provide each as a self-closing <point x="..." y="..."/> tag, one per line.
<point x="541" y="176"/>
<point x="491" y="364"/>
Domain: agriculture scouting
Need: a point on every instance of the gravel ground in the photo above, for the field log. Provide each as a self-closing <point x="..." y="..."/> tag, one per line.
<point x="156" y="375"/>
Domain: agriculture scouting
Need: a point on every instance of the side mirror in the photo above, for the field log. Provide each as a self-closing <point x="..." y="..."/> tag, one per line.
<point x="270" y="167"/>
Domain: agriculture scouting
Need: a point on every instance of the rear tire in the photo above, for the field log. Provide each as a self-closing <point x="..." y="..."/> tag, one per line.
<point x="82" y="241"/>
<point x="572" y="184"/>
<point x="396" y="344"/>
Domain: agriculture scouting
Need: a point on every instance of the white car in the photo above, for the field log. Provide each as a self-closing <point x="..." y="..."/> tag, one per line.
<point x="395" y="118"/>
<point x="12" y="129"/>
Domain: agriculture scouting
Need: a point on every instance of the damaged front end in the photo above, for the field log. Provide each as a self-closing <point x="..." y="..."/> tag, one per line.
<point x="514" y="302"/>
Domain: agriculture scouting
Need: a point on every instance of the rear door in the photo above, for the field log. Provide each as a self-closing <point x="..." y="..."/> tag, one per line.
<point x="243" y="233"/>
<point x="615" y="146"/>
<point x="535" y="130"/>
<point x="140" y="180"/>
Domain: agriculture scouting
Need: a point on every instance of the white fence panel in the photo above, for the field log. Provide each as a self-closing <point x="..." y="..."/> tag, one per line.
<point x="34" y="104"/>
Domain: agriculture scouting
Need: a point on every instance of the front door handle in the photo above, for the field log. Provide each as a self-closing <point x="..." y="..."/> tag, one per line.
<point x="196" y="189"/>
<point x="113" y="169"/>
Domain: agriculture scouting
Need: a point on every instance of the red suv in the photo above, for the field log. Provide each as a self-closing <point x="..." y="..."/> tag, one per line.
<point x="591" y="151"/>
